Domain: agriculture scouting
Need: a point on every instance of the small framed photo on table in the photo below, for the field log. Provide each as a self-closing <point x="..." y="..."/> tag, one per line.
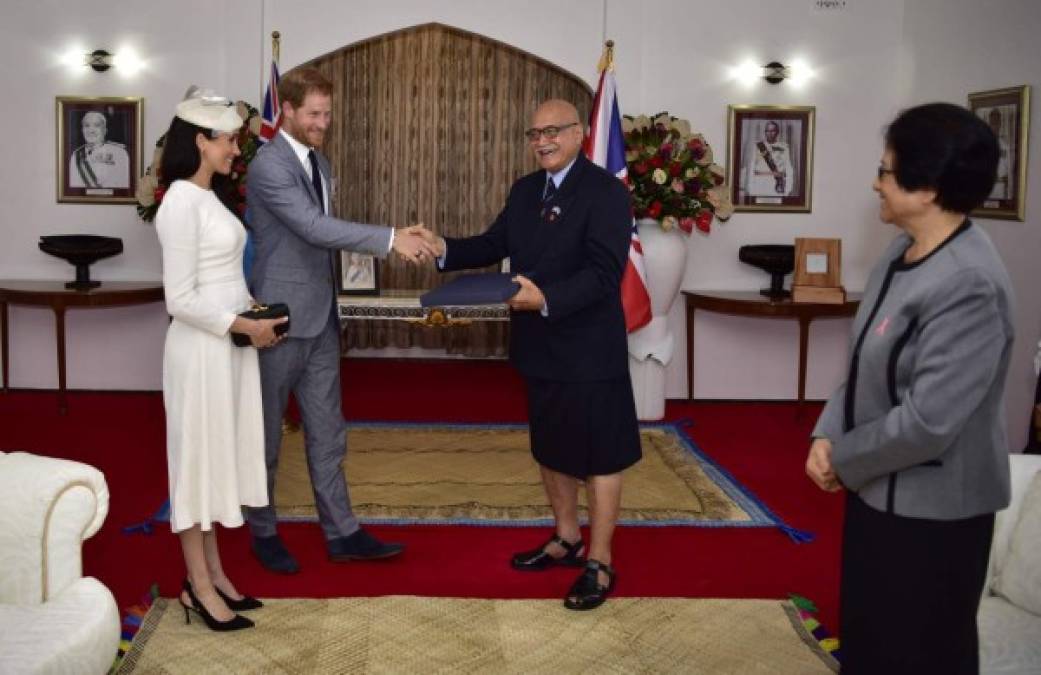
<point x="357" y="274"/>
<point x="98" y="149"/>
<point x="770" y="157"/>
<point x="818" y="271"/>
<point x="1007" y="112"/>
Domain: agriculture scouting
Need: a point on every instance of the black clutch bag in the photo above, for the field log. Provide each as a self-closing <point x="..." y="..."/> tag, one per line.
<point x="275" y="310"/>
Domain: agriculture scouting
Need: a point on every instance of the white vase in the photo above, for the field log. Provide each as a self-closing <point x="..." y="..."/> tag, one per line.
<point x="651" y="347"/>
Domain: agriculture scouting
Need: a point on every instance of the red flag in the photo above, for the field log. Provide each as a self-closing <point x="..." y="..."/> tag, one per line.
<point x="605" y="146"/>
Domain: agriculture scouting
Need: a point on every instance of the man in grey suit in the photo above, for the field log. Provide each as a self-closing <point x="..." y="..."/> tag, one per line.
<point x="288" y="192"/>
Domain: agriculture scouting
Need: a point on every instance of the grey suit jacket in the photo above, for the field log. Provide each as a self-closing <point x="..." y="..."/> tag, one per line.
<point x="918" y="428"/>
<point x="295" y="242"/>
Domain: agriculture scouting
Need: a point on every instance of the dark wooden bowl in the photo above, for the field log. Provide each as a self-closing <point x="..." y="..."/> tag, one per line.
<point x="777" y="260"/>
<point x="81" y="250"/>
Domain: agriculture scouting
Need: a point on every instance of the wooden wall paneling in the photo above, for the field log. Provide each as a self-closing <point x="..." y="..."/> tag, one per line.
<point x="428" y="126"/>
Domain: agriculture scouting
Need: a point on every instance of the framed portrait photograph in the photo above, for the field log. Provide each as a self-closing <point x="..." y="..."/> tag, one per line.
<point x="358" y="274"/>
<point x="99" y="149"/>
<point x="1007" y="111"/>
<point x="770" y="157"/>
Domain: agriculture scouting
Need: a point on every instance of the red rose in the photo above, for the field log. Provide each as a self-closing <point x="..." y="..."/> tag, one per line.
<point x="640" y="168"/>
<point x="654" y="210"/>
<point x="665" y="150"/>
<point x="687" y="224"/>
<point x="675" y="169"/>
<point x="159" y="192"/>
<point x="240" y="167"/>
<point x="697" y="148"/>
<point x="703" y="221"/>
<point x="657" y="162"/>
<point x="242" y="190"/>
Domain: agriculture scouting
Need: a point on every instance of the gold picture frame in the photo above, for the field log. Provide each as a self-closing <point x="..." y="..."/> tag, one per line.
<point x="99" y="148"/>
<point x="1008" y="112"/>
<point x="770" y="157"/>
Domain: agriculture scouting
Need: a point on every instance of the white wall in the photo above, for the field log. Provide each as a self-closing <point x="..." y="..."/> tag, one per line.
<point x="183" y="43"/>
<point x="671" y="55"/>
<point x="961" y="46"/>
<point x="684" y="68"/>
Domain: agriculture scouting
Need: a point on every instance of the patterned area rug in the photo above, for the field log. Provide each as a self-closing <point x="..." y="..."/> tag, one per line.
<point x="484" y="474"/>
<point x="407" y="634"/>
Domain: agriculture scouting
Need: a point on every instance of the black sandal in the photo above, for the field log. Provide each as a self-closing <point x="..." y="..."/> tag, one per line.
<point x="539" y="559"/>
<point x="587" y="592"/>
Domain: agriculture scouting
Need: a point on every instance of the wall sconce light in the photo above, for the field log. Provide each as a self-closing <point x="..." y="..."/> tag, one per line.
<point x="749" y="73"/>
<point x="99" y="59"/>
<point x="776" y="72"/>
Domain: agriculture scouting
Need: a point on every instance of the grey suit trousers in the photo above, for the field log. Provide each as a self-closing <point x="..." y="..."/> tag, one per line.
<point x="310" y="368"/>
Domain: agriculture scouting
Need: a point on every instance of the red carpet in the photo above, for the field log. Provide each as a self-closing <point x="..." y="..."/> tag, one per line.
<point x="762" y="445"/>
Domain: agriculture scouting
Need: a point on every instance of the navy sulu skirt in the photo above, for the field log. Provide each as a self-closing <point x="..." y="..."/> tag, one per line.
<point x="583" y="428"/>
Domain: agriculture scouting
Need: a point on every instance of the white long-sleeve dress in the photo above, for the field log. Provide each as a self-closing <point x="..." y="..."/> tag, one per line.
<point x="211" y="388"/>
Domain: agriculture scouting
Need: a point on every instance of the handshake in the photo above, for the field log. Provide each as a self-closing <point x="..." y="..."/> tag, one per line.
<point x="417" y="244"/>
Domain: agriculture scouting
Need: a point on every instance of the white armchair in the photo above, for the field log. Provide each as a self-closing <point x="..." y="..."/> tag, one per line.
<point x="1008" y="619"/>
<point x="52" y="619"/>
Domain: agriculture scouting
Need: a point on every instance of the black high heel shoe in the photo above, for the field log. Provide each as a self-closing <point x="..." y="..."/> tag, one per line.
<point x="238" y="622"/>
<point x="245" y="604"/>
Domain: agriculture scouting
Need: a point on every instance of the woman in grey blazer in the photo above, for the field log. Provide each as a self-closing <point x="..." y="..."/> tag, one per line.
<point x="916" y="434"/>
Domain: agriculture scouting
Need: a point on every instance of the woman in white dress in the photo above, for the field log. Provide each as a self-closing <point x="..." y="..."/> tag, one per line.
<point x="211" y="388"/>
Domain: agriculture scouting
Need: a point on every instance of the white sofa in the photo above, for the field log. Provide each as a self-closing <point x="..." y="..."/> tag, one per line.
<point x="52" y="618"/>
<point x="1009" y="619"/>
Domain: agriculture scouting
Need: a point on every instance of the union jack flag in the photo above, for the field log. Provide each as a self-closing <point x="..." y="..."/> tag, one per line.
<point x="271" y="117"/>
<point x="605" y="146"/>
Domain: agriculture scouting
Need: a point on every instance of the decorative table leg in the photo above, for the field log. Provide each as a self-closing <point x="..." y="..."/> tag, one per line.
<point x="59" y="331"/>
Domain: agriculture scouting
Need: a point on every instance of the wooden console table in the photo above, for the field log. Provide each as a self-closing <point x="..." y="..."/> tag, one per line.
<point x="53" y="294"/>
<point x="752" y="303"/>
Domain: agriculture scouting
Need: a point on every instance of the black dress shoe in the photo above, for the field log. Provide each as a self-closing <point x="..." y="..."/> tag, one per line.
<point x="587" y="592"/>
<point x="273" y="555"/>
<point x="361" y="546"/>
<point x="539" y="559"/>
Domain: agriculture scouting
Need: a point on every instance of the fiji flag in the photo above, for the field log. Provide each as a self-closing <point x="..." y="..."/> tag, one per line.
<point x="271" y="118"/>
<point x="605" y="146"/>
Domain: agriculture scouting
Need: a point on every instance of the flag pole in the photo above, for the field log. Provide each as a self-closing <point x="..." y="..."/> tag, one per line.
<point x="607" y="58"/>
<point x="276" y="38"/>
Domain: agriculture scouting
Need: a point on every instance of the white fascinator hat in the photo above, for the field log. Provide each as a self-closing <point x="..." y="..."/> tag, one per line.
<point x="203" y="108"/>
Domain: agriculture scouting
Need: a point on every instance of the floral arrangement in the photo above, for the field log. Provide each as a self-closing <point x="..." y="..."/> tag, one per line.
<point x="150" y="193"/>
<point x="671" y="174"/>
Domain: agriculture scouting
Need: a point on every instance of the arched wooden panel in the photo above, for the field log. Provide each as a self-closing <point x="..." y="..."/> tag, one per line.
<point x="428" y="126"/>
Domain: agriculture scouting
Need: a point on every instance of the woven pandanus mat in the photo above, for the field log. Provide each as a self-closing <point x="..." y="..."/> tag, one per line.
<point x="423" y="473"/>
<point x="407" y="634"/>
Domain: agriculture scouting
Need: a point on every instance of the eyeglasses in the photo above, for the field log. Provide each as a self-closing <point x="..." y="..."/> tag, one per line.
<point x="882" y="171"/>
<point x="550" y="132"/>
